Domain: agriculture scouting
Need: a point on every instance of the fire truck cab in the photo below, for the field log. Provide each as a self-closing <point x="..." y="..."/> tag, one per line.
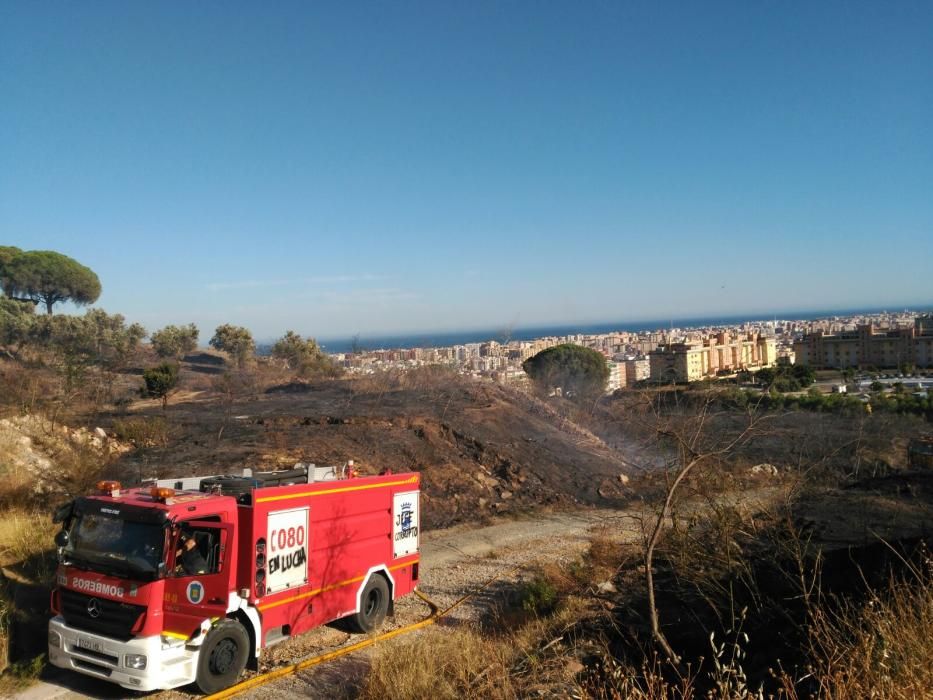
<point x="187" y="580"/>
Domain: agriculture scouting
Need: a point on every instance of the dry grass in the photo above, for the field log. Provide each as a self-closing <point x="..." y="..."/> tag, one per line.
<point x="463" y="664"/>
<point x="611" y="680"/>
<point x="141" y="431"/>
<point x="26" y="553"/>
<point x="432" y="379"/>
<point x="606" y="549"/>
<point x="17" y="483"/>
<point x="27" y="542"/>
<point x="606" y="554"/>
<point x="881" y="649"/>
<point x="532" y="658"/>
<point x="878" y="649"/>
<point x="441" y="664"/>
<point x="78" y="470"/>
<point x="42" y="460"/>
<point x="21" y="675"/>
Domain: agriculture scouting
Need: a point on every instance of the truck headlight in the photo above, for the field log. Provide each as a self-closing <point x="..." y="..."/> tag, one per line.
<point x="55" y="639"/>
<point x="137" y="661"/>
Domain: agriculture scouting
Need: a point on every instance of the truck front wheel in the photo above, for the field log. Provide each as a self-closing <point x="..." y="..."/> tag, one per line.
<point x="374" y="604"/>
<point x="223" y="656"/>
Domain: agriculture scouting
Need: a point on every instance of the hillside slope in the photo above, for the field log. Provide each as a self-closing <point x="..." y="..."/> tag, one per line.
<point x="481" y="448"/>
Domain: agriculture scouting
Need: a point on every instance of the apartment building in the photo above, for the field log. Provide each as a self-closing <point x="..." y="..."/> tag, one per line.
<point x="616" y="374"/>
<point x="636" y="370"/>
<point x="867" y="346"/>
<point x="712" y="356"/>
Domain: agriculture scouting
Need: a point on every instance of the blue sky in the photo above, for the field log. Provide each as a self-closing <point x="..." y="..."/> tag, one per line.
<point x="391" y="167"/>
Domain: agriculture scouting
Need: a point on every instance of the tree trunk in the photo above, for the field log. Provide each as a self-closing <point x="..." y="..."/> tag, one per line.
<point x="656" y="631"/>
<point x="48" y="306"/>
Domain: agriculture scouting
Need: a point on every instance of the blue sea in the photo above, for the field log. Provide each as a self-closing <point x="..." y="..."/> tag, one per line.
<point x="440" y="339"/>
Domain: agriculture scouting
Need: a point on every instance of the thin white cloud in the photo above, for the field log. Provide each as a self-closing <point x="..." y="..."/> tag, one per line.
<point x="256" y="284"/>
<point x="368" y="297"/>
<point x="246" y="284"/>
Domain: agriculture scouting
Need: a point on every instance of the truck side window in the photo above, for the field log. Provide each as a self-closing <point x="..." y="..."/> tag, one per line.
<point x="197" y="549"/>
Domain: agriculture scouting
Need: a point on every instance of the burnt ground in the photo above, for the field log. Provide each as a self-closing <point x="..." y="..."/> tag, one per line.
<point x="482" y="449"/>
<point x="485" y="449"/>
<point x="833" y="444"/>
<point x="755" y="583"/>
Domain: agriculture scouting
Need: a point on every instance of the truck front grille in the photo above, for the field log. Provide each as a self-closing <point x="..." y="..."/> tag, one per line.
<point x="93" y="668"/>
<point x="109" y="658"/>
<point x="114" y="619"/>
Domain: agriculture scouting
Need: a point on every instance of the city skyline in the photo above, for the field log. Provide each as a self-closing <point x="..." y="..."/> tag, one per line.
<point x="711" y="349"/>
<point x="414" y="169"/>
<point x="440" y="337"/>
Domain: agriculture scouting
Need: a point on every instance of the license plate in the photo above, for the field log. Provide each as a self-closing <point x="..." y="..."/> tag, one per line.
<point x="92" y="644"/>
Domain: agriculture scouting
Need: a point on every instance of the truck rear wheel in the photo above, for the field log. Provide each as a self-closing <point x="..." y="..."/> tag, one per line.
<point x="374" y="604"/>
<point x="223" y="656"/>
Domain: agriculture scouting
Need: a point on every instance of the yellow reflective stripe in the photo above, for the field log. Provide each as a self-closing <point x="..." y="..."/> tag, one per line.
<point x="318" y="591"/>
<point x="310" y="594"/>
<point x="404" y="564"/>
<point x="265" y="499"/>
<point x="176" y="635"/>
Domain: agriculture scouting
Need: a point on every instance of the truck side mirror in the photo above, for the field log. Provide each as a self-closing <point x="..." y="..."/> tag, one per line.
<point x="61" y="538"/>
<point x="63" y="512"/>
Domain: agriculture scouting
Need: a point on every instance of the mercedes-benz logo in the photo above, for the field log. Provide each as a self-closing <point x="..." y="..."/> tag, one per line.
<point x="93" y="607"/>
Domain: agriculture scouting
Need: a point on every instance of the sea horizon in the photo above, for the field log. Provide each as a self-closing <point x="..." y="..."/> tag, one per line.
<point x="426" y="339"/>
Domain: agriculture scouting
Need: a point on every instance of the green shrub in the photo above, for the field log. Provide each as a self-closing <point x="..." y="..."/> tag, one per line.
<point x="539" y="596"/>
<point x="142" y="432"/>
<point x="159" y="381"/>
<point x="786" y="377"/>
<point x="22" y="674"/>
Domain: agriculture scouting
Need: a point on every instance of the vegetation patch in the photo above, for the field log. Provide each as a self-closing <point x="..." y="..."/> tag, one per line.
<point x="22" y="674"/>
<point x="576" y="372"/>
<point x="142" y="431"/>
<point x="538" y="596"/>
<point x="881" y="647"/>
<point x="533" y="659"/>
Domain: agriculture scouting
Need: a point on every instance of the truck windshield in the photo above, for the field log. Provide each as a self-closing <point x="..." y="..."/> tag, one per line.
<point x="115" y="546"/>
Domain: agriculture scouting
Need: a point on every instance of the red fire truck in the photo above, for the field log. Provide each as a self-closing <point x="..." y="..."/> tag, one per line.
<point x="188" y="580"/>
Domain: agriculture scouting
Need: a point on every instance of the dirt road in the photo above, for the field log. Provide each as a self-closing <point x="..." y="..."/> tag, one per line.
<point x="455" y="561"/>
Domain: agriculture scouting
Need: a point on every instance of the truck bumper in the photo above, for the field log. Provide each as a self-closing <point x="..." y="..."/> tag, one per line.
<point x="168" y="665"/>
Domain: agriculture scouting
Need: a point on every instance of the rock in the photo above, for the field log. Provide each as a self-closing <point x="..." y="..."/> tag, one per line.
<point x="485" y="480"/>
<point x="574" y="667"/>
<point x="624" y="478"/>
<point x="767" y="469"/>
<point x="607" y="587"/>
<point x="505" y="495"/>
<point x="482" y="502"/>
<point x="101" y="433"/>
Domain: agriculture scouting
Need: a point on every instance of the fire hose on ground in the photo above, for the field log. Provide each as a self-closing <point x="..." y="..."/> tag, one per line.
<point x="275" y="674"/>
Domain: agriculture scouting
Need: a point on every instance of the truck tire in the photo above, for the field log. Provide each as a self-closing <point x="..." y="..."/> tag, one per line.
<point x="223" y="656"/>
<point x="374" y="604"/>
